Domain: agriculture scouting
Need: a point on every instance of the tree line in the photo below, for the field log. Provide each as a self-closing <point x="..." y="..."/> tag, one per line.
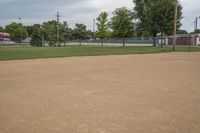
<point x="148" y="18"/>
<point x="47" y="32"/>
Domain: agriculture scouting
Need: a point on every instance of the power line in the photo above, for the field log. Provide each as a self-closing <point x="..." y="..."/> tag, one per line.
<point x="187" y="19"/>
<point x="190" y="23"/>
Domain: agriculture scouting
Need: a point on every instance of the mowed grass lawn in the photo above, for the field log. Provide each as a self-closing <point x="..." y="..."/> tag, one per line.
<point x="20" y="52"/>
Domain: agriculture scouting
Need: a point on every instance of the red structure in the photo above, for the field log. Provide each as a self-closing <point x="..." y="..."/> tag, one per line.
<point x="4" y="37"/>
<point x="183" y="40"/>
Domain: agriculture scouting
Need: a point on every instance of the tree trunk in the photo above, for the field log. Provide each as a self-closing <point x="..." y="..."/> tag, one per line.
<point x="80" y="42"/>
<point x="161" y="40"/>
<point x="123" y="42"/>
<point x="154" y="39"/>
<point x="101" y="42"/>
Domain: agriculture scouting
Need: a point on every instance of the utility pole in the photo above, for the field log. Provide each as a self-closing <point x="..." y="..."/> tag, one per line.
<point x="42" y="35"/>
<point x="94" y="28"/>
<point x="195" y="29"/>
<point x="175" y="22"/>
<point x="43" y="43"/>
<point x="20" y="21"/>
<point x="58" y="19"/>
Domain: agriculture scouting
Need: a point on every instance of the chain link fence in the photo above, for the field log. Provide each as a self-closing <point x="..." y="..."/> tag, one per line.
<point x="112" y="42"/>
<point x="144" y="41"/>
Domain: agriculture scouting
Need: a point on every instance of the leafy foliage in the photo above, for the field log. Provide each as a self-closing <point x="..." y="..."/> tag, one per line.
<point x="65" y="32"/>
<point x="196" y="31"/>
<point x="50" y="32"/>
<point x="1" y="29"/>
<point x="182" y="32"/>
<point x="49" y="29"/>
<point x="16" y="31"/>
<point x="152" y="17"/>
<point x="80" y="32"/>
<point x="29" y="30"/>
<point x="36" y="37"/>
<point x="156" y="16"/>
<point x="102" y="25"/>
<point x="122" y="23"/>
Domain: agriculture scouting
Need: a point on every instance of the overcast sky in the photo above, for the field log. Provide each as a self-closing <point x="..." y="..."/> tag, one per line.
<point x="81" y="11"/>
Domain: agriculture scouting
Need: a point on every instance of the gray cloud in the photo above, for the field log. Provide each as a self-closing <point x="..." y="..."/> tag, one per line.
<point x="72" y="11"/>
<point x="190" y="12"/>
<point x="32" y="8"/>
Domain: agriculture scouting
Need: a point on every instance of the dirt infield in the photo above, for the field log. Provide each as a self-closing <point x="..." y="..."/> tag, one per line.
<point x="153" y="93"/>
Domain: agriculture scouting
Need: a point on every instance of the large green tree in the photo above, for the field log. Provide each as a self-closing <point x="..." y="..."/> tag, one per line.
<point x="90" y="34"/>
<point x="49" y="31"/>
<point x="36" y="36"/>
<point x="80" y="32"/>
<point x="157" y="16"/>
<point x="17" y="31"/>
<point x="182" y="32"/>
<point x="102" y="26"/>
<point x="29" y="30"/>
<point x="195" y="32"/>
<point x="122" y="23"/>
<point x="1" y="29"/>
<point x="65" y="32"/>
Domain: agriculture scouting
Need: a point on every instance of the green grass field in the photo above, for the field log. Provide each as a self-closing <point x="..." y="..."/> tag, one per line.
<point x="15" y="53"/>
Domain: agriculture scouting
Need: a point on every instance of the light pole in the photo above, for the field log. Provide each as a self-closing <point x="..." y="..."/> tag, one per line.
<point x="20" y="21"/>
<point x="58" y="18"/>
<point x="175" y="27"/>
<point x="43" y="42"/>
<point x="42" y="35"/>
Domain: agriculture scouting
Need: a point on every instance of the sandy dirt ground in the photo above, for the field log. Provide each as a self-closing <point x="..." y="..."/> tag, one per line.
<point x="152" y="93"/>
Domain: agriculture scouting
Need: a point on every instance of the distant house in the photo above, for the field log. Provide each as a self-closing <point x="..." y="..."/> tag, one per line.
<point x="182" y="39"/>
<point x="4" y="37"/>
